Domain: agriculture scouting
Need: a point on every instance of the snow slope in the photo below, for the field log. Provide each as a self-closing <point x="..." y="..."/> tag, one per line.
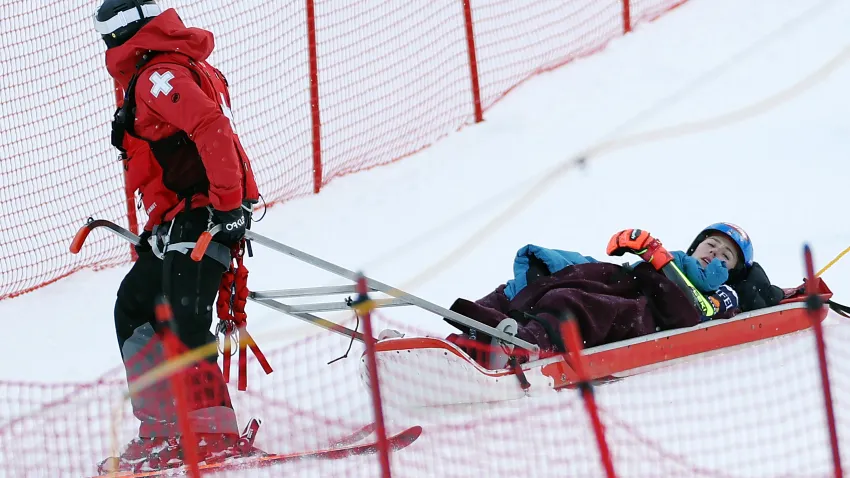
<point x="763" y="83"/>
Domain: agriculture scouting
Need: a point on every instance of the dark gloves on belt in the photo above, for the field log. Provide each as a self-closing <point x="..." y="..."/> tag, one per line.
<point x="233" y="225"/>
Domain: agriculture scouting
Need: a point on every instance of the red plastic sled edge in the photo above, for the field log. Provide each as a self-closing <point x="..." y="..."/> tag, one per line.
<point x="618" y="358"/>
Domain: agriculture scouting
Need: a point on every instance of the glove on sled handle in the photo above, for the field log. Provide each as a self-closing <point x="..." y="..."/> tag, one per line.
<point x="203" y="242"/>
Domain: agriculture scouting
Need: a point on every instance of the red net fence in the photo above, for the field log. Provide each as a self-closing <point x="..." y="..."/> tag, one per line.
<point x="320" y="89"/>
<point x="754" y="411"/>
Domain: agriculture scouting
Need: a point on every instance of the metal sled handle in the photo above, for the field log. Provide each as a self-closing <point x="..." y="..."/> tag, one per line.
<point x="391" y="291"/>
<point x="411" y="299"/>
<point x="83" y="233"/>
<point x="91" y="224"/>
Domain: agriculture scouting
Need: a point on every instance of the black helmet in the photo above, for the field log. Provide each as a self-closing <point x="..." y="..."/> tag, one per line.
<point x="118" y="20"/>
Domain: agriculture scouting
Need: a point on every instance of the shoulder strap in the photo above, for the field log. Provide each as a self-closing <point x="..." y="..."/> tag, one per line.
<point x="125" y="115"/>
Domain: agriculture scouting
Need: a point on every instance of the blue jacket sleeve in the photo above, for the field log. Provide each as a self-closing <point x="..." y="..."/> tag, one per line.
<point x="554" y="259"/>
<point x="706" y="279"/>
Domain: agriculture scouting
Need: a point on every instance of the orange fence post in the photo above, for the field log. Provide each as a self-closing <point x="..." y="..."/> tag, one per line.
<point x="132" y="220"/>
<point x="572" y="340"/>
<point x="473" y="61"/>
<point x="627" y="17"/>
<point x="814" y="303"/>
<point x="171" y="345"/>
<point x="314" y="96"/>
<point x="372" y="365"/>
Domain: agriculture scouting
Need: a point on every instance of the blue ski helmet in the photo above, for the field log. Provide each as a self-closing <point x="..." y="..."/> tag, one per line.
<point x="738" y="235"/>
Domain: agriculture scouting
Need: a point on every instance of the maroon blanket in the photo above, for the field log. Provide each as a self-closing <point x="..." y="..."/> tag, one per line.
<point x="610" y="302"/>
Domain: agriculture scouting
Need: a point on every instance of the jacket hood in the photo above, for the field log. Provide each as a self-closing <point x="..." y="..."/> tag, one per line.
<point x="165" y="33"/>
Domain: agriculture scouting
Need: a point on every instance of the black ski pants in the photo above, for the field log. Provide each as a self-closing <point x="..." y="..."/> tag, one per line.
<point x="191" y="288"/>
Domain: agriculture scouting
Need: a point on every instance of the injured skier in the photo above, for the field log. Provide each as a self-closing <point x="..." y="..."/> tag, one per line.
<point x="715" y="279"/>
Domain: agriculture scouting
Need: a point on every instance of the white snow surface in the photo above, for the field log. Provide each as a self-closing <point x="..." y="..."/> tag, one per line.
<point x="446" y="223"/>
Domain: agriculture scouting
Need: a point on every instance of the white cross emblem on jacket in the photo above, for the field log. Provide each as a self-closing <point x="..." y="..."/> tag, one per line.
<point x="161" y="83"/>
<point x="226" y="111"/>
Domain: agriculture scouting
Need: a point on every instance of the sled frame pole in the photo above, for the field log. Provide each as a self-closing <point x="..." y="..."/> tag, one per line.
<point x="324" y="306"/>
<point x="310" y="318"/>
<point x="306" y="292"/>
<point x="406" y="298"/>
<point x="266" y="298"/>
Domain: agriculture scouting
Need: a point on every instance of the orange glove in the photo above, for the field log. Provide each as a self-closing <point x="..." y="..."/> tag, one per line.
<point x="641" y="243"/>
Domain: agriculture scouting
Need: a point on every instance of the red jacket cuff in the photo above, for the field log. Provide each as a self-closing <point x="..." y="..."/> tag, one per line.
<point x="227" y="201"/>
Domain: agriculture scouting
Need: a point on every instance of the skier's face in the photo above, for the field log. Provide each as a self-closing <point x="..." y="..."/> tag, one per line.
<point x="719" y="246"/>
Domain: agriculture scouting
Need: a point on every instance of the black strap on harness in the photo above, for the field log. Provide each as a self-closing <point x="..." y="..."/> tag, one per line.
<point x="125" y="115"/>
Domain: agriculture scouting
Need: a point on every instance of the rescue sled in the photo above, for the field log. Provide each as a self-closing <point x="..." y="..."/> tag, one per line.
<point x="462" y="380"/>
<point x="447" y="373"/>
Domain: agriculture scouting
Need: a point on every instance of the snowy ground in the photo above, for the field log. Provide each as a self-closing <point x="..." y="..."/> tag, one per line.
<point x="446" y="223"/>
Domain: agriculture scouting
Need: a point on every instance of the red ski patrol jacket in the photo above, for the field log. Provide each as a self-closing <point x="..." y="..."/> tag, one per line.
<point x="183" y="146"/>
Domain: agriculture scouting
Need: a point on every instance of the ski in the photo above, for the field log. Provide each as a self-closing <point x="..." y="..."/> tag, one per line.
<point x="354" y="436"/>
<point x="397" y="442"/>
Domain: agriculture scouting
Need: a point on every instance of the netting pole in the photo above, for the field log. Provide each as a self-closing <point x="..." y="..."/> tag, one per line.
<point x="132" y="220"/>
<point x="363" y="308"/>
<point x="170" y="343"/>
<point x="814" y="303"/>
<point x="572" y="341"/>
<point x="473" y="61"/>
<point x="314" y="97"/>
<point x="627" y="17"/>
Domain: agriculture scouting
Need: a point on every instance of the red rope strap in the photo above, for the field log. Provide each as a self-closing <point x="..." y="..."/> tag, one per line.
<point x="232" y="297"/>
